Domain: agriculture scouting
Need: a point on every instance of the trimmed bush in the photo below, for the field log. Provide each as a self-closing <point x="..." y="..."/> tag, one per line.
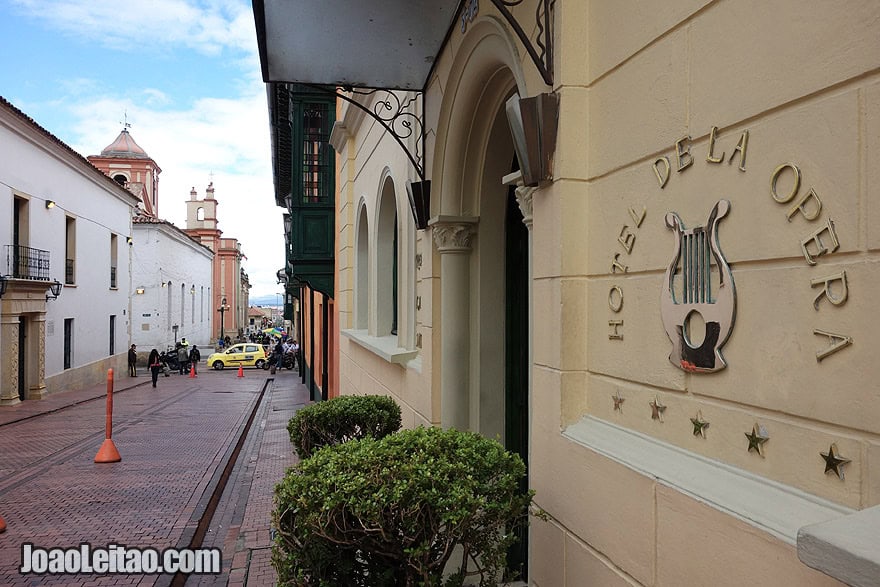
<point x="342" y="419"/>
<point x="390" y="512"/>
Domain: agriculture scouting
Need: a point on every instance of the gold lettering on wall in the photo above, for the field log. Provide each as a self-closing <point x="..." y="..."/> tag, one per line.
<point x="827" y="290"/>
<point x="615" y="264"/>
<point x="740" y="148"/>
<point x="802" y="206"/>
<point x="836" y="342"/>
<point x="662" y="176"/>
<point x="683" y="152"/>
<point x="816" y="238"/>
<point x="615" y="302"/>
<point x="614" y="334"/>
<point x="775" y="178"/>
<point x="638" y="218"/>
<point x="820" y="242"/>
<point x="626" y="239"/>
<point x="709" y="156"/>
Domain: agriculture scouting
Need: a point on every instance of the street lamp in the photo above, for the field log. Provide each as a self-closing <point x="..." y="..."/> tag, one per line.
<point x="279" y="318"/>
<point x="222" y="309"/>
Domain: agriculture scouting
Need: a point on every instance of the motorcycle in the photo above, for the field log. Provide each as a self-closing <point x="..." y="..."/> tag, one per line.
<point x="289" y="362"/>
<point x="169" y="361"/>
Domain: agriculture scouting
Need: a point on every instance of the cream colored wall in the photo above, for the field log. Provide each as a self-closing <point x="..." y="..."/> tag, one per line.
<point x="633" y="81"/>
<point x="801" y="78"/>
<point x="367" y="159"/>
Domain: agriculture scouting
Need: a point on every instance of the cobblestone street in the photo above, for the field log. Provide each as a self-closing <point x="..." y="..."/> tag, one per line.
<point x="180" y="444"/>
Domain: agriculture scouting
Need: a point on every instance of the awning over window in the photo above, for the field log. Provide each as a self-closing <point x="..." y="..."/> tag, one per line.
<point x="360" y="43"/>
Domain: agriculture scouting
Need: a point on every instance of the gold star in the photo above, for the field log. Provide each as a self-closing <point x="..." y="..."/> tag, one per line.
<point x="700" y="425"/>
<point x="757" y="439"/>
<point x="618" y="402"/>
<point x="657" y="409"/>
<point x="834" y="462"/>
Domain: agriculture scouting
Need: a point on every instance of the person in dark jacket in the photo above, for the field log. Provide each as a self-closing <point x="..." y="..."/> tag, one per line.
<point x="155" y="365"/>
<point x="182" y="359"/>
<point x="132" y="361"/>
<point x="194" y="357"/>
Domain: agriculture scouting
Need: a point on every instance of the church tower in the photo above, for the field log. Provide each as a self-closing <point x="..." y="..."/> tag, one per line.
<point x="128" y="164"/>
<point x="201" y="218"/>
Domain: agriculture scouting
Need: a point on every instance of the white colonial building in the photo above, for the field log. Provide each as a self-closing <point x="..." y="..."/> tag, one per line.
<point x="171" y="277"/>
<point x="62" y="222"/>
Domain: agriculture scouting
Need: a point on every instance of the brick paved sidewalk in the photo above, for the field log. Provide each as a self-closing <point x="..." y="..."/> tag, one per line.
<point x="173" y="441"/>
<point x="30" y="408"/>
<point x="241" y="527"/>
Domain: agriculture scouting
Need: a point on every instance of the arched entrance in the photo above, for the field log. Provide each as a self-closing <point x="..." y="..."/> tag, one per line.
<point x="483" y="247"/>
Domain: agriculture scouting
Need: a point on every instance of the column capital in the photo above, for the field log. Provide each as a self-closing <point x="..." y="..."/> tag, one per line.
<point x="453" y="235"/>
<point x="524" y="199"/>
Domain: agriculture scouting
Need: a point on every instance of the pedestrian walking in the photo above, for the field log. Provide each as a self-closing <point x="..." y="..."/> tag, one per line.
<point x="278" y="356"/>
<point x="155" y="365"/>
<point x="194" y="357"/>
<point x="132" y="361"/>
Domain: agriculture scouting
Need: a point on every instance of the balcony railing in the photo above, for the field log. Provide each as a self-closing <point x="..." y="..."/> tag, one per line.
<point x="27" y="263"/>
<point x="69" y="273"/>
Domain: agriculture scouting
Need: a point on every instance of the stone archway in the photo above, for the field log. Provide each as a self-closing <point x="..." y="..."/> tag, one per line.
<point x="23" y="342"/>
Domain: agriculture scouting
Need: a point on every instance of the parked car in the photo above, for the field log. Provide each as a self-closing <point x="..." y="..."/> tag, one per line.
<point x="245" y="354"/>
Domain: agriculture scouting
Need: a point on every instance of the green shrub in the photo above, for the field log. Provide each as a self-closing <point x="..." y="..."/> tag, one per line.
<point x="342" y="419"/>
<point x="389" y="512"/>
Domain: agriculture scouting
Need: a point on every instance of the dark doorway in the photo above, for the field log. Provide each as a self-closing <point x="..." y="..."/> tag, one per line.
<point x="516" y="357"/>
<point x="22" y="356"/>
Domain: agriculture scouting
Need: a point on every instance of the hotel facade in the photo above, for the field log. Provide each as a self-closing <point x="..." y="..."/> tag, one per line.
<point x="646" y="266"/>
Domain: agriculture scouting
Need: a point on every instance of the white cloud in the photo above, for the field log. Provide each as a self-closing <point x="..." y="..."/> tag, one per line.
<point x="138" y="25"/>
<point x="191" y="138"/>
<point x="228" y="138"/>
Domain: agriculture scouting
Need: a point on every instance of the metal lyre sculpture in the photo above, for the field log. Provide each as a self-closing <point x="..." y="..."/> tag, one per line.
<point x="694" y="251"/>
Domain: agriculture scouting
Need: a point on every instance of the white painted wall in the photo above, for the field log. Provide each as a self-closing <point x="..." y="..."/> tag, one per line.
<point x="162" y="253"/>
<point x="37" y="167"/>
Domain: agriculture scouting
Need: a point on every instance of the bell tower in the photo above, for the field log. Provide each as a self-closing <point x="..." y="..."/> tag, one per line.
<point x="129" y="165"/>
<point x="201" y="214"/>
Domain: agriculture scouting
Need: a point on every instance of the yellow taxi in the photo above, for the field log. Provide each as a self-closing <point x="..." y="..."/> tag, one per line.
<point x="246" y="354"/>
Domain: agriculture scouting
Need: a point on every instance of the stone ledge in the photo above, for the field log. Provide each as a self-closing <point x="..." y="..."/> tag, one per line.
<point x="383" y="346"/>
<point x="773" y="507"/>
<point x="846" y="548"/>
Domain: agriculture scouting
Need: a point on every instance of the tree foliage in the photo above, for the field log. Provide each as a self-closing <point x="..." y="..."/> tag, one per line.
<point x="391" y="511"/>
<point x="341" y="419"/>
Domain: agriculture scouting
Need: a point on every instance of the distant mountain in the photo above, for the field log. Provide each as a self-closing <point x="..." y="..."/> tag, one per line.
<point x="267" y="300"/>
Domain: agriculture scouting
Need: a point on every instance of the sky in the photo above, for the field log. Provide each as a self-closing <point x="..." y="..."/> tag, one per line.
<point x="185" y="74"/>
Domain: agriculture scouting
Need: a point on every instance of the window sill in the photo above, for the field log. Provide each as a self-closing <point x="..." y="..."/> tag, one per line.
<point x="845" y="548"/>
<point x="384" y="346"/>
<point x="773" y="507"/>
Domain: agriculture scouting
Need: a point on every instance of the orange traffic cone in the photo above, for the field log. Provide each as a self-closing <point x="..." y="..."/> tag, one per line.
<point x="240" y="371"/>
<point x="192" y="372"/>
<point x="108" y="453"/>
<point x="2" y="526"/>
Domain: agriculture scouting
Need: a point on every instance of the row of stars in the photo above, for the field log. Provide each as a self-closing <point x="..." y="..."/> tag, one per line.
<point x="757" y="437"/>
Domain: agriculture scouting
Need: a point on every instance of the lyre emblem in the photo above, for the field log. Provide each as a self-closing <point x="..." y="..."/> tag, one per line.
<point x="691" y="292"/>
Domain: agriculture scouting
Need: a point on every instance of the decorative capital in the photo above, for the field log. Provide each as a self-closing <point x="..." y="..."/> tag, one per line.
<point x="524" y="199"/>
<point x="454" y="237"/>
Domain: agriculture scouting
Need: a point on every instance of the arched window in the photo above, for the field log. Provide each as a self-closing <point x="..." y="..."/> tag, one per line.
<point x="386" y="262"/>
<point x="362" y="272"/>
<point x="200" y="213"/>
<point x="120" y="179"/>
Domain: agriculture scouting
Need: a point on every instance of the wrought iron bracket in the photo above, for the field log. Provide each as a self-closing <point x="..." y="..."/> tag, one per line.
<point x="401" y="118"/>
<point x="542" y="56"/>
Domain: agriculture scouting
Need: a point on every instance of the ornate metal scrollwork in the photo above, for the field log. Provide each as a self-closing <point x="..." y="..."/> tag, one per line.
<point x="543" y="55"/>
<point x="402" y="118"/>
